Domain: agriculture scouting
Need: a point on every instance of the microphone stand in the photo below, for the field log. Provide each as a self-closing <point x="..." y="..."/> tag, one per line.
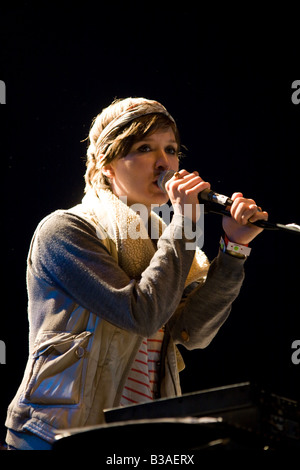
<point x="210" y="207"/>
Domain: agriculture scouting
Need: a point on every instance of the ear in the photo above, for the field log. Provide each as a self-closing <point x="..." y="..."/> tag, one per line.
<point x="108" y="171"/>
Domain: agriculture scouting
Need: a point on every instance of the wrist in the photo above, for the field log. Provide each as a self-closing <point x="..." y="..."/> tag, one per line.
<point x="238" y="250"/>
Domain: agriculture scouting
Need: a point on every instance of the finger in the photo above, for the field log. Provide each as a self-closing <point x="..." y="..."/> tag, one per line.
<point x="236" y="195"/>
<point x="186" y="185"/>
<point x="187" y="176"/>
<point x="249" y="213"/>
<point x="258" y="215"/>
<point x="190" y="181"/>
<point x="196" y="187"/>
<point x="184" y="180"/>
<point x="180" y="174"/>
<point x="242" y="209"/>
<point x="239" y="204"/>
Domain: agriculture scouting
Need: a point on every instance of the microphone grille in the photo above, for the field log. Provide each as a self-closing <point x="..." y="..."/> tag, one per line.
<point x="163" y="178"/>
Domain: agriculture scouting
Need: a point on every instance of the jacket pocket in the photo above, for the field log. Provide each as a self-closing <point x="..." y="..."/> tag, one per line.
<point x="57" y="369"/>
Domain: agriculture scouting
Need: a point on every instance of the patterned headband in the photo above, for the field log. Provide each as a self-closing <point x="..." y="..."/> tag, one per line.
<point x="133" y="112"/>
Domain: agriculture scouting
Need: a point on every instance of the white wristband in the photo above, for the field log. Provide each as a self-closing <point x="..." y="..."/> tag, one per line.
<point x="234" y="248"/>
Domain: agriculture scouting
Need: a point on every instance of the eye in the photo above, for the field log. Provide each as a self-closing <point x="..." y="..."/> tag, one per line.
<point x="144" y="148"/>
<point x="171" y="150"/>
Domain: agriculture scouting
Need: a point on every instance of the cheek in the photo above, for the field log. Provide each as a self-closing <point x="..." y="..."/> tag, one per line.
<point x="138" y="171"/>
<point x="133" y="172"/>
<point x="129" y="178"/>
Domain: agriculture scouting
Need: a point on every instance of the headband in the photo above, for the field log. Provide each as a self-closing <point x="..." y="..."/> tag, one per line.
<point x="133" y="112"/>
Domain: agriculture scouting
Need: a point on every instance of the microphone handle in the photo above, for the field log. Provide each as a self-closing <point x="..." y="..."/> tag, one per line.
<point x="211" y="196"/>
<point x="218" y="200"/>
<point x="213" y="202"/>
<point x="217" y="209"/>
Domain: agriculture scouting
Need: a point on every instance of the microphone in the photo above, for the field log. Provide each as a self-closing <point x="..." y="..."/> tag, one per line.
<point x="210" y="196"/>
<point x="205" y="195"/>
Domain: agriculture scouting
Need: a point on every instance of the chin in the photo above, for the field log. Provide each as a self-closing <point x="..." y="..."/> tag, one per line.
<point x="157" y="198"/>
<point x="160" y="199"/>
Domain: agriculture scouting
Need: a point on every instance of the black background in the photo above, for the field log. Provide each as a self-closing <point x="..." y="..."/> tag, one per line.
<point x="226" y="77"/>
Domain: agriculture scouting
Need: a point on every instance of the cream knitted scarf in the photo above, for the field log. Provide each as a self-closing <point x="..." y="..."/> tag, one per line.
<point x="127" y="230"/>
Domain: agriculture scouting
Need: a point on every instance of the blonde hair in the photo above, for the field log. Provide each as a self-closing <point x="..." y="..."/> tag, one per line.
<point x="117" y="128"/>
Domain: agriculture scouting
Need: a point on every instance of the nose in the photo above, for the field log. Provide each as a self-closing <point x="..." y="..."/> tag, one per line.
<point x="162" y="161"/>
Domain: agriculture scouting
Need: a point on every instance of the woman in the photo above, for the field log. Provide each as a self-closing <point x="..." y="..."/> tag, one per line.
<point x="107" y="307"/>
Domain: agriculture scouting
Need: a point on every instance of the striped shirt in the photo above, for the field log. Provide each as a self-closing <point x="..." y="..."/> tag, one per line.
<point x="143" y="379"/>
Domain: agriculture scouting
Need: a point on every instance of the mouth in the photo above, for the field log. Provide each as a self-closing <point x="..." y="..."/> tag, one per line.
<point x="155" y="180"/>
<point x="155" y="183"/>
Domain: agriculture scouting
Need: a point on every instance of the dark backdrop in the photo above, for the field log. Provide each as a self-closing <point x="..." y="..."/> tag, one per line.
<point x="226" y="78"/>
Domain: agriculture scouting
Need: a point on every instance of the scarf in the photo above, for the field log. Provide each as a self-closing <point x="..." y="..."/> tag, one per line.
<point x="127" y="230"/>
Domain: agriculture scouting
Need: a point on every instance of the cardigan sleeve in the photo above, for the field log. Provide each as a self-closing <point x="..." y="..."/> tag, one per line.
<point x="201" y="314"/>
<point x="67" y="254"/>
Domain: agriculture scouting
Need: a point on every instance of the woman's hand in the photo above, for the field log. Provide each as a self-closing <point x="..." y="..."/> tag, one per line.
<point x="183" y="189"/>
<point x="238" y="227"/>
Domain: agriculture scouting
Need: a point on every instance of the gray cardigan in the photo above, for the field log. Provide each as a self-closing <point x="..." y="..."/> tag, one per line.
<point x="81" y="300"/>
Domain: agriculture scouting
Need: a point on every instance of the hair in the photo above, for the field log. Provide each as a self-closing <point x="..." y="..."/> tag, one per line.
<point x="117" y="128"/>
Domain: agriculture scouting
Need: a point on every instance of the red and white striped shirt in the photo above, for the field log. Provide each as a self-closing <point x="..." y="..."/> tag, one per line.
<point x="142" y="382"/>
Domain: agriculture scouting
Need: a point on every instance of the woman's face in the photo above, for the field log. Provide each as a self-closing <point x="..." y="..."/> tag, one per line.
<point x="135" y="175"/>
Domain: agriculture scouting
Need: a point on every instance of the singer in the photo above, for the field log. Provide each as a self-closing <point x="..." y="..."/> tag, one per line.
<point x="106" y="310"/>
